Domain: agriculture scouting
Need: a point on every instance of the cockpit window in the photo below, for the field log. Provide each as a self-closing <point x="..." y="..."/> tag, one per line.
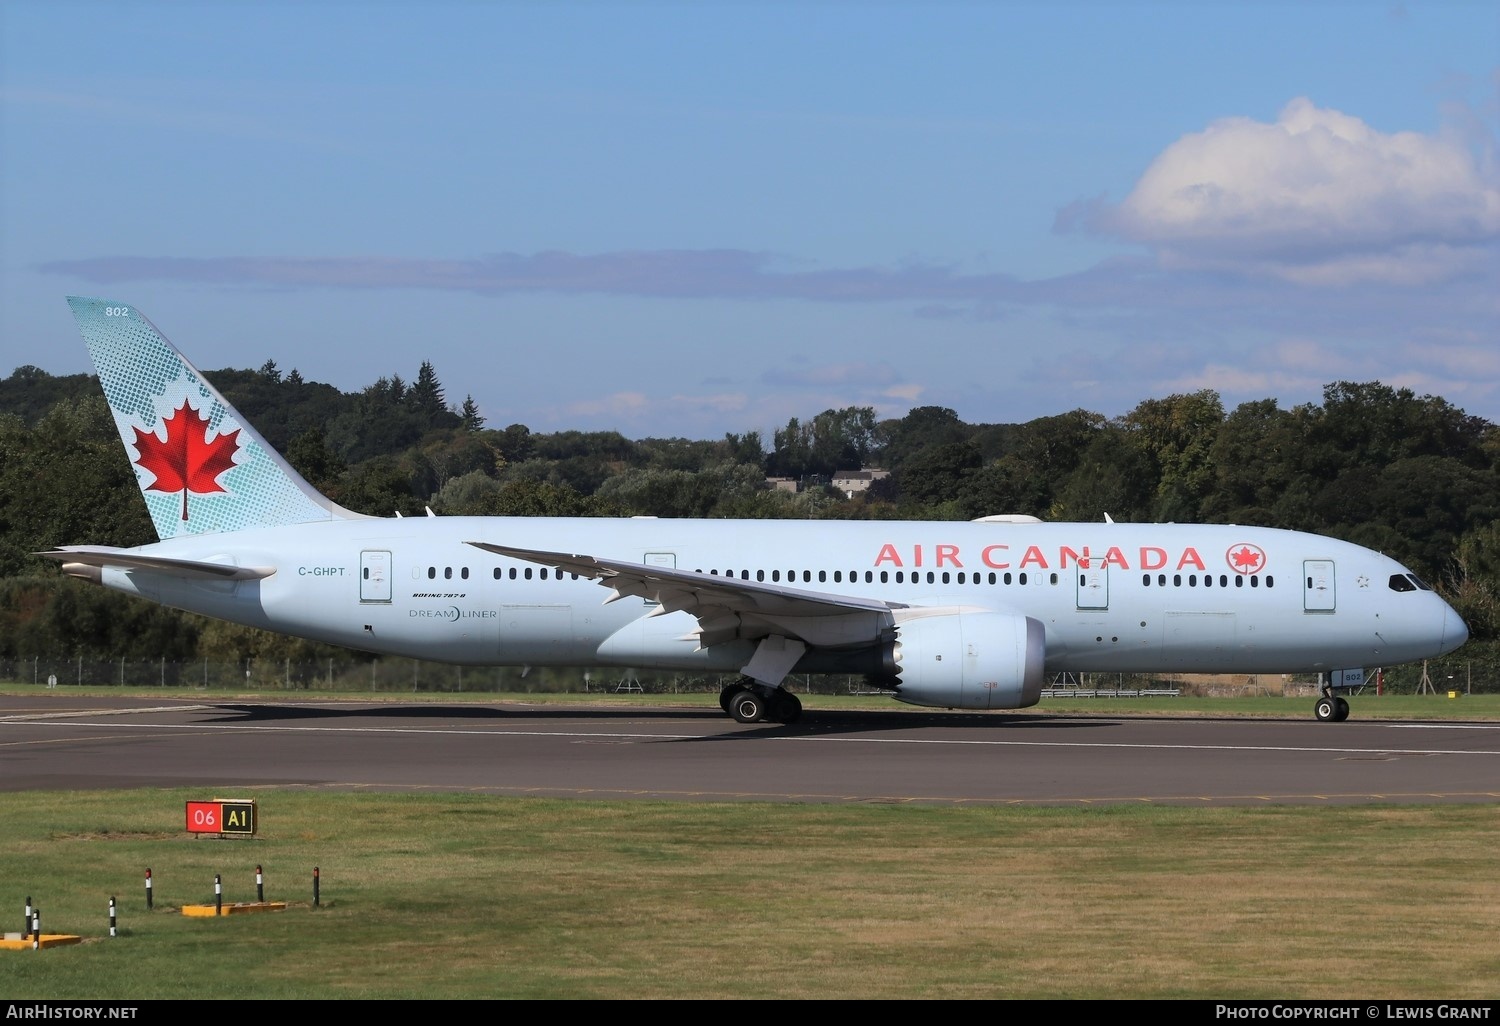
<point x="1421" y="584"/>
<point x="1402" y="582"/>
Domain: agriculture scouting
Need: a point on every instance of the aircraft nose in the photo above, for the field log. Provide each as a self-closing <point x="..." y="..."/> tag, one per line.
<point x="1455" y="631"/>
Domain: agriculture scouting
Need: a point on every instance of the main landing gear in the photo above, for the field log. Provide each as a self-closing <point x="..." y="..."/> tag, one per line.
<point x="750" y="701"/>
<point x="1331" y="708"/>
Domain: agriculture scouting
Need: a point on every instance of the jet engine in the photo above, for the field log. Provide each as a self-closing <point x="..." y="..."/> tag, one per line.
<point x="970" y="660"/>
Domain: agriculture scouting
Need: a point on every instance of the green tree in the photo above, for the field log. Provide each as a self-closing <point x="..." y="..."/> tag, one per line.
<point x="924" y="427"/>
<point x="319" y="465"/>
<point x="938" y="474"/>
<point x="470" y="415"/>
<point x="426" y="398"/>
<point x="1177" y="436"/>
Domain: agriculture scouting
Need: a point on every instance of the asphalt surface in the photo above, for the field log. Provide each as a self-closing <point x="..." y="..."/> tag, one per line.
<point x="696" y="754"/>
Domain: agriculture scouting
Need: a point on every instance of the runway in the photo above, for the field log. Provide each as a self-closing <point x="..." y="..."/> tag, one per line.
<point x="696" y="754"/>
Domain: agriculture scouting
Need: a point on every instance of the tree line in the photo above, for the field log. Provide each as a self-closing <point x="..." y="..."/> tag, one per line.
<point x="1410" y="475"/>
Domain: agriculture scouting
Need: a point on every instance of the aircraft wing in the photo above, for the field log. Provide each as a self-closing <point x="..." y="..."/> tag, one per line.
<point x="726" y="607"/>
<point x="103" y="557"/>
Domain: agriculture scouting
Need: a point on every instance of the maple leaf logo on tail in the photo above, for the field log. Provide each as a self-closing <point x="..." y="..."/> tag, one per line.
<point x="186" y="461"/>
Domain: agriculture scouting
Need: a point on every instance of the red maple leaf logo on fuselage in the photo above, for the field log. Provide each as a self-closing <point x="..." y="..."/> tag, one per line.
<point x="1247" y="559"/>
<point x="187" y="461"/>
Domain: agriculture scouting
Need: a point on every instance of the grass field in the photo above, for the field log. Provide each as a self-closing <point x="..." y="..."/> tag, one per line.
<point x="469" y="897"/>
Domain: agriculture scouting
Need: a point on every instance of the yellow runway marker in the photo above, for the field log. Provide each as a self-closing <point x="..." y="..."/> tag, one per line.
<point x="15" y="942"/>
<point x="237" y="908"/>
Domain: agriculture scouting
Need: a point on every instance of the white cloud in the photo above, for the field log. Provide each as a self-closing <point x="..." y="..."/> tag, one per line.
<point x="1318" y="198"/>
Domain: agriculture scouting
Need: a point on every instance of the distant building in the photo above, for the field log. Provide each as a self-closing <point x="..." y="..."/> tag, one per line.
<point x="852" y="482"/>
<point x="782" y="484"/>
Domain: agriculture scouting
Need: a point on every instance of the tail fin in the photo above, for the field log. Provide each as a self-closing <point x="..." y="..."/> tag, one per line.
<point x="200" y="466"/>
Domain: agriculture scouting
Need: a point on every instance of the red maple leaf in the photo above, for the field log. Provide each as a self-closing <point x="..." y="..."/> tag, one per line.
<point x="1247" y="558"/>
<point x="187" y="461"/>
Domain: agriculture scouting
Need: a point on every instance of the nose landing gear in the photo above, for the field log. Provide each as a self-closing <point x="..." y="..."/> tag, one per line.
<point x="1331" y="708"/>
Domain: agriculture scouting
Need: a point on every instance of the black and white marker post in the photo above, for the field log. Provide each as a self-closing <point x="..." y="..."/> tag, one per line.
<point x="111" y="916"/>
<point x="218" y="894"/>
<point x="260" y="887"/>
<point x="148" y="888"/>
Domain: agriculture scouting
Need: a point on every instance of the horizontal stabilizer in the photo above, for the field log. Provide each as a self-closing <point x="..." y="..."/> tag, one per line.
<point x="102" y="557"/>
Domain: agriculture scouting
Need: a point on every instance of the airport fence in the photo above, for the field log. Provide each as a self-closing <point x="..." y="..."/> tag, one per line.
<point x="417" y="675"/>
<point x="377" y="675"/>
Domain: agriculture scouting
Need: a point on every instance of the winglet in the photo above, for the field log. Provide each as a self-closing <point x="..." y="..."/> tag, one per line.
<point x="201" y="467"/>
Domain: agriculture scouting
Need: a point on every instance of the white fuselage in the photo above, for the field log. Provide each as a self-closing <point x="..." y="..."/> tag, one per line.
<point x="1111" y="597"/>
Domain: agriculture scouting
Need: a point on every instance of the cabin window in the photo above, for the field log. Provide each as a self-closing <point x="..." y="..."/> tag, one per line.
<point x="1021" y="577"/>
<point x="760" y="575"/>
<point x="775" y="575"/>
<point x="1254" y="581"/>
<point x="432" y="573"/>
<point x="497" y="573"/>
<point x="464" y="573"/>
<point x="822" y="576"/>
<point x="527" y="573"/>
<point x="1176" y="580"/>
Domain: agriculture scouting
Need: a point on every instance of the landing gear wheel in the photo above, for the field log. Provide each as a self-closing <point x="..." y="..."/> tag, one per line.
<point x="1327" y="709"/>
<point x="785" y="707"/>
<point x="747" y="707"/>
<point x="1342" y="713"/>
<point x="727" y="695"/>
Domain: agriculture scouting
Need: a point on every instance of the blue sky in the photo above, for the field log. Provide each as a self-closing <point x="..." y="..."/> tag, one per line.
<point x="682" y="219"/>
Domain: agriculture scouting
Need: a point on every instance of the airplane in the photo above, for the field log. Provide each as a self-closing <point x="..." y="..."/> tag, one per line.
<point x="971" y="615"/>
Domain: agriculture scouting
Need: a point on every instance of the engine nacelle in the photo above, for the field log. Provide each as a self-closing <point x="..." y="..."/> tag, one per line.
<point x="970" y="660"/>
